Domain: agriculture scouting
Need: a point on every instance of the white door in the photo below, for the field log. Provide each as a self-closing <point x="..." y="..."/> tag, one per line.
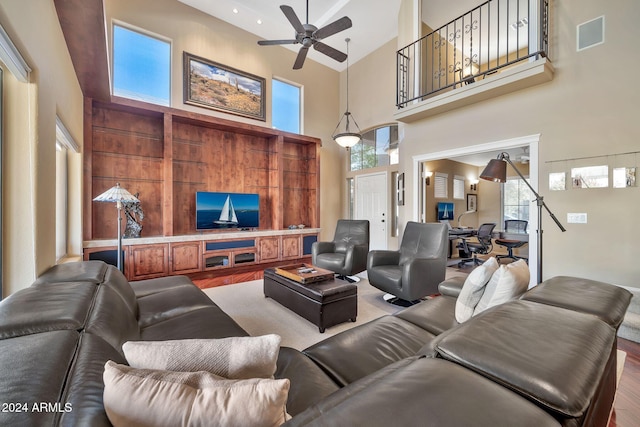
<point x="371" y="204"/>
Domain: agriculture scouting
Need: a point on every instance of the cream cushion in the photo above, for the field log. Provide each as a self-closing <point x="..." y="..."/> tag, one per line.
<point x="232" y="358"/>
<point x="507" y="283"/>
<point x="473" y="289"/>
<point x="145" y="397"/>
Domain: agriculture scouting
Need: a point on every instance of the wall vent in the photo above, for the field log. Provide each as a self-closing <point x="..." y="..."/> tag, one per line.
<point x="590" y="33"/>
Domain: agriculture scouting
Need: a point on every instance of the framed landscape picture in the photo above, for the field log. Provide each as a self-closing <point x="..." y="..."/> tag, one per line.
<point x="218" y="87"/>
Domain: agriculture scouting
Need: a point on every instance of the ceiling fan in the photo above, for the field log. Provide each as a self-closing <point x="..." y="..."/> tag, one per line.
<point x="309" y="35"/>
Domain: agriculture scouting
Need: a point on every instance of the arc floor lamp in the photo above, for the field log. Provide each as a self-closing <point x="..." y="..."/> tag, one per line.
<point x="496" y="171"/>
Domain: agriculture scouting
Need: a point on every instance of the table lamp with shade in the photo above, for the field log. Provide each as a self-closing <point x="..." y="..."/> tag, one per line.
<point x="496" y="171"/>
<point x="118" y="195"/>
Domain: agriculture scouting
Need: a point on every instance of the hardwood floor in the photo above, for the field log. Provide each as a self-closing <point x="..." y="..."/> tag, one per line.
<point x="626" y="409"/>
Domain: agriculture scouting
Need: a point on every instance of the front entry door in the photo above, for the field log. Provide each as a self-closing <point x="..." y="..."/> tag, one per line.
<point x="371" y="204"/>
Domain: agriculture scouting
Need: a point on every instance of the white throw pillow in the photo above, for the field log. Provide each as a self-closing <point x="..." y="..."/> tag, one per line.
<point x="507" y="283"/>
<point x="473" y="289"/>
<point x="145" y="397"/>
<point x="232" y="358"/>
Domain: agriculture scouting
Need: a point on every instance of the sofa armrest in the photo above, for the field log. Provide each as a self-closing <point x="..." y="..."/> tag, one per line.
<point x="380" y="257"/>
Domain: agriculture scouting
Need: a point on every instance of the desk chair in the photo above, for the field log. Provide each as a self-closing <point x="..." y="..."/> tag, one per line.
<point x="483" y="246"/>
<point x="513" y="226"/>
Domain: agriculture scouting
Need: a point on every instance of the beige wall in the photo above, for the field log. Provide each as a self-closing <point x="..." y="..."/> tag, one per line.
<point x="30" y="137"/>
<point x="584" y="111"/>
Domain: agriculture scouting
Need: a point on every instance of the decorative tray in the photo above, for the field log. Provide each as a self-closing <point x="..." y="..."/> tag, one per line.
<point x="304" y="273"/>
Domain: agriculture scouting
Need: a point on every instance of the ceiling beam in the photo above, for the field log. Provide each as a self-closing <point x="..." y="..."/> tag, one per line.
<point x="84" y="28"/>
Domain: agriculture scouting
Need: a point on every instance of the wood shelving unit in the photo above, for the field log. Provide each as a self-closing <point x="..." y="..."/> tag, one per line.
<point x="165" y="155"/>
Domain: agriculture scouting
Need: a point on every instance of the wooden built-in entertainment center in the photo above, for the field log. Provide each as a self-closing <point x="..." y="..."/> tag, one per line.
<point x="165" y="155"/>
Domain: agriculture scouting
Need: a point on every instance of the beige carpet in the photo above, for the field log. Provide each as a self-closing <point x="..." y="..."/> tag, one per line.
<point x="247" y="305"/>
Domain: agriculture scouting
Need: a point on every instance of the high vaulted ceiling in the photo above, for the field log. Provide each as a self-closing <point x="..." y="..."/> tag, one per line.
<point x="375" y="22"/>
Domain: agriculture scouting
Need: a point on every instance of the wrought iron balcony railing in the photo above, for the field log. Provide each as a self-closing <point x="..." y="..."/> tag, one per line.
<point x="495" y="35"/>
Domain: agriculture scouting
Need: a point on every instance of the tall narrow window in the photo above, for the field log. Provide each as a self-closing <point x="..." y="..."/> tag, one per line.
<point x="141" y="66"/>
<point x="351" y="191"/>
<point x="1" y="179"/>
<point x="286" y="102"/>
<point x="61" y="201"/>
<point x="458" y="187"/>
<point x="65" y="144"/>
<point x="516" y="200"/>
<point x="440" y="189"/>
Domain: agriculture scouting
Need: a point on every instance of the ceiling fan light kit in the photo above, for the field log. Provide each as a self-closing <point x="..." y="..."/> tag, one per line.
<point x="309" y="35"/>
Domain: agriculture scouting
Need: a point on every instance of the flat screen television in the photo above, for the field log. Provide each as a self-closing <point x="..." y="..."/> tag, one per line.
<point x="216" y="210"/>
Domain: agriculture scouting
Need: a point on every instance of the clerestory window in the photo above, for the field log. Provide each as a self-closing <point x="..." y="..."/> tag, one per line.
<point x="141" y="66"/>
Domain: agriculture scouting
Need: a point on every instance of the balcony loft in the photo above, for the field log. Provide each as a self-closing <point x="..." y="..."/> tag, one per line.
<point x="497" y="48"/>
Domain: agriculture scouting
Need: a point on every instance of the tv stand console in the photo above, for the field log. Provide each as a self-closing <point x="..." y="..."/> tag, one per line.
<point x="226" y="257"/>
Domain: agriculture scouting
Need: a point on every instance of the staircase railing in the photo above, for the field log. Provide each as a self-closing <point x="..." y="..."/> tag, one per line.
<point x="495" y="35"/>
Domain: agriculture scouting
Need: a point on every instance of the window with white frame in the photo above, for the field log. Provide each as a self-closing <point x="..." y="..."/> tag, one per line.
<point x="458" y="187"/>
<point x="516" y="200"/>
<point x="378" y="147"/>
<point x="64" y="145"/>
<point x="440" y="189"/>
<point x="286" y="106"/>
<point x="141" y="65"/>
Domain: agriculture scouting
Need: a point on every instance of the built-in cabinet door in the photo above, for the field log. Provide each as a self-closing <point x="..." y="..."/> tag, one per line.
<point x="269" y="248"/>
<point x="185" y="257"/>
<point x="291" y="247"/>
<point x="148" y="261"/>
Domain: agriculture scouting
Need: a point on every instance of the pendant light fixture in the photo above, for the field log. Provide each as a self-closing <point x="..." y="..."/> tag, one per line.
<point x="346" y="138"/>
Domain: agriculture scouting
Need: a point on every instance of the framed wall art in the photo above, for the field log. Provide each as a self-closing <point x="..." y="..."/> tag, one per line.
<point x="472" y="202"/>
<point x="218" y="87"/>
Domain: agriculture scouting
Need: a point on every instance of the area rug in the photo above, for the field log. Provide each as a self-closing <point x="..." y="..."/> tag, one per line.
<point x="247" y="305"/>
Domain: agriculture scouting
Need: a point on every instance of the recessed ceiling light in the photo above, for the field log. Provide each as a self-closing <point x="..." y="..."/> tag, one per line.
<point x="235" y="10"/>
<point x="259" y="21"/>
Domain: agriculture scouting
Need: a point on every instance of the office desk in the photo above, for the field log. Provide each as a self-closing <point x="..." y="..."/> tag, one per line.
<point x="456" y="233"/>
<point x="503" y="235"/>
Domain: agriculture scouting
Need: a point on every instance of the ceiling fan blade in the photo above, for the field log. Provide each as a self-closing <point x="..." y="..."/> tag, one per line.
<point x="293" y="18"/>
<point x="302" y="55"/>
<point x="273" y="42"/>
<point x="333" y="28"/>
<point x="329" y="51"/>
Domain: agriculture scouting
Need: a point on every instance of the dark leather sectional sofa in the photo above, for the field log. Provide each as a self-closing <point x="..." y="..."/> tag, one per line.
<point x="547" y="359"/>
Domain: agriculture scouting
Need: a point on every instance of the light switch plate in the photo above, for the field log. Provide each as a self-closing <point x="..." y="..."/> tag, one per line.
<point x="577" y="218"/>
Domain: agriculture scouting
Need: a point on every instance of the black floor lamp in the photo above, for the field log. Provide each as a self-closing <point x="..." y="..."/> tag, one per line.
<point x="118" y="195"/>
<point x="496" y="171"/>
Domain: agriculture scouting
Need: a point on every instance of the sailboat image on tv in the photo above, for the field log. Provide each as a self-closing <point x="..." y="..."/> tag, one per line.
<point x="228" y="215"/>
<point x="216" y="210"/>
